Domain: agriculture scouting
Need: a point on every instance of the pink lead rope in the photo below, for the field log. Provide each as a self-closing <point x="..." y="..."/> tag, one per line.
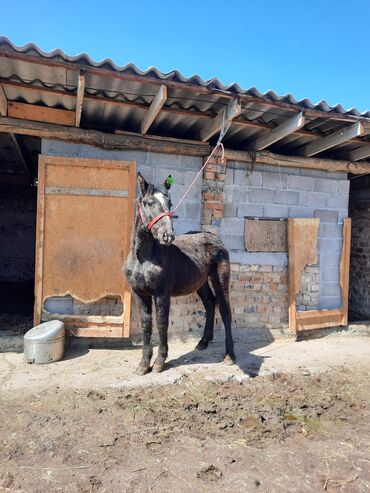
<point x="218" y="145"/>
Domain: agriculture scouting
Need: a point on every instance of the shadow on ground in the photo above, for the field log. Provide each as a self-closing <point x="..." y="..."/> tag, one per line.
<point x="245" y="342"/>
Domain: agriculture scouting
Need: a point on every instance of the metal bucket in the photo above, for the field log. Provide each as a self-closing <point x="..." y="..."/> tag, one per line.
<point x="45" y="343"/>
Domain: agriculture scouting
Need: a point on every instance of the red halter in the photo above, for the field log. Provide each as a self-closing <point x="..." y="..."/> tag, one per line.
<point x="156" y="219"/>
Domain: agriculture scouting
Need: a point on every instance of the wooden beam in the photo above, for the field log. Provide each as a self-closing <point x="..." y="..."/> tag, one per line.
<point x="360" y="153"/>
<point x="154" y="109"/>
<point x="21" y="154"/>
<point x="80" y="97"/>
<point x="36" y="113"/>
<point x="344" y="267"/>
<point x="128" y="140"/>
<point x="3" y="102"/>
<point x="224" y="117"/>
<point x="286" y="128"/>
<point x="336" y="138"/>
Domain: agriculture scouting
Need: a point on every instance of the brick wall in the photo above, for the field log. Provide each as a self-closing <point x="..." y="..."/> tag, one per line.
<point x="359" y="292"/>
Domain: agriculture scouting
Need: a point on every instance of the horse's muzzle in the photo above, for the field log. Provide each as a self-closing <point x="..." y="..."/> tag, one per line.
<point x="167" y="238"/>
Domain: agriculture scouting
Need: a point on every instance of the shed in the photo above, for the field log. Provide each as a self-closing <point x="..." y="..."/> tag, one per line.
<point x="74" y="132"/>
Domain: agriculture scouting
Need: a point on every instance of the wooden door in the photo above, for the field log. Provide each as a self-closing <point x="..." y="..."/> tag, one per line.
<point x="84" y="221"/>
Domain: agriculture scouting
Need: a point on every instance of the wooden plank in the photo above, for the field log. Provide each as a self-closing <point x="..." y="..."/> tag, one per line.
<point x="80" y="97"/>
<point x="265" y="235"/>
<point x="336" y="138"/>
<point x="171" y="146"/>
<point x="89" y="192"/>
<point x="286" y="128"/>
<point x="360" y="153"/>
<point x="40" y="230"/>
<point x="33" y="112"/>
<point x="319" y="322"/>
<point x="302" y="251"/>
<point x="154" y="109"/>
<point x="344" y="267"/>
<point x="224" y="117"/>
<point x="95" y="331"/>
<point x="310" y="314"/>
<point x="3" y="103"/>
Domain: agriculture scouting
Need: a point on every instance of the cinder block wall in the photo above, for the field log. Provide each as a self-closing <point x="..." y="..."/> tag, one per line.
<point x="259" y="282"/>
<point x="273" y="192"/>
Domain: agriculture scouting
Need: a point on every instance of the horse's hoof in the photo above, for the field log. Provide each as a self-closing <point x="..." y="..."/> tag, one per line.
<point x="158" y="367"/>
<point x="229" y="359"/>
<point x="201" y="345"/>
<point x="142" y="370"/>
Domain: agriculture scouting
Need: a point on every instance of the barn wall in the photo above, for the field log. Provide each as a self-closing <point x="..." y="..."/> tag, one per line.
<point x="359" y="293"/>
<point x="259" y="281"/>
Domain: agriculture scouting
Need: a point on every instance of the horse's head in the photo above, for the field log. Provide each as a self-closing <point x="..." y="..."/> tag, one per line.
<point x="154" y="209"/>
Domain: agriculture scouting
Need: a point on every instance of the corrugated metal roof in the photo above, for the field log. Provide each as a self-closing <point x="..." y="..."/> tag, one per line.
<point x="175" y="76"/>
<point x="117" y="98"/>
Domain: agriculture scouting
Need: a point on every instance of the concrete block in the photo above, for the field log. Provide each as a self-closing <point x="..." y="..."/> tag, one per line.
<point x="244" y="177"/>
<point x="229" y="209"/>
<point x="264" y="258"/>
<point x="343" y="187"/>
<point x="250" y="210"/>
<point x="232" y="226"/>
<point x="192" y="210"/>
<point x="272" y="210"/>
<point x="236" y="165"/>
<point x="235" y="193"/>
<point x="233" y="242"/>
<point x="325" y="185"/>
<point x="274" y="180"/>
<point x="332" y="230"/>
<point x="301" y="211"/>
<point x="183" y="226"/>
<point x="312" y="199"/>
<point x="287" y="197"/>
<point x="59" y="304"/>
<point x="160" y="160"/>
<point x="330" y="274"/>
<point x="331" y="260"/>
<point x="147" y="172"/>
<point x="305" y="183"/>
<point x="191" y="163"/>
<point x="328" y="302"/>
<point x="326" y="215"/>
<point x="229" y="178"/>
<point x="337" y="201"/>
<point x="261" y="195"/>
<point x="331" y="288"/>
<point x="330" y="245"/>
<point x="271" y="168"/>
<point x="342" y="214"/>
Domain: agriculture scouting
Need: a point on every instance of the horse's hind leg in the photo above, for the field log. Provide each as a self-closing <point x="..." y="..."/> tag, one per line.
<point x="209" y="302"/>
<point x="220" y="276"/>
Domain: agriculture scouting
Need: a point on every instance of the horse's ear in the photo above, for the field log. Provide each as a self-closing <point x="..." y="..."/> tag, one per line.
<point x="168" y="182"/>
<point x="143" y="184"/>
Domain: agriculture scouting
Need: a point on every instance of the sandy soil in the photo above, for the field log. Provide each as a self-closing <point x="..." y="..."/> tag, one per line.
<point x="305" y="430"/>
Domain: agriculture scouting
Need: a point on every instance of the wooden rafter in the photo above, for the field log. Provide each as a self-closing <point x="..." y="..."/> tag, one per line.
<point x="224" y="117"/>
<point x="41" y="113"/>
<point x="80" y="97"/>
<point x="21" y="154"/>
<point x="336" y="138"/>
<point x="286" y="128"/>
<point x="3" y="102"/>
<point x="360" y="153"/>
<point x="154" y="109"/>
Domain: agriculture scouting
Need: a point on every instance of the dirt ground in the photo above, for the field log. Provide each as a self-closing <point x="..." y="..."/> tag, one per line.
<point x="85" y="425"/>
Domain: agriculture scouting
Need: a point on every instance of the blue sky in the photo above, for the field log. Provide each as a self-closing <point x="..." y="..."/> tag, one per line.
<point x="319" y="49"/>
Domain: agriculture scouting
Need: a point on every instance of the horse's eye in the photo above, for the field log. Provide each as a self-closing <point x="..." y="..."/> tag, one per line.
<point x="150" y="203"/>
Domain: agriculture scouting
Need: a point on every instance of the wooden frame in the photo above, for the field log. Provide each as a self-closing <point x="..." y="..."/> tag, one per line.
<point x="61" y="269"/>
<point x="302" y="252"/>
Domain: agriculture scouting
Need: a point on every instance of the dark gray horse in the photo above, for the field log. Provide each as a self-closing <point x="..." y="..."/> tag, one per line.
<point x="160" y="266"/>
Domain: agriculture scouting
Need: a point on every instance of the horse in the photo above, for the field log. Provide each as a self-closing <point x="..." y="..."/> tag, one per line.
<point x="160" y="266"/>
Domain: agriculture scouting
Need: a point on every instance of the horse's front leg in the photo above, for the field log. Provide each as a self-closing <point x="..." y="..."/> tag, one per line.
<point x="162" y="306"/>
<point x="145" y="307"/>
